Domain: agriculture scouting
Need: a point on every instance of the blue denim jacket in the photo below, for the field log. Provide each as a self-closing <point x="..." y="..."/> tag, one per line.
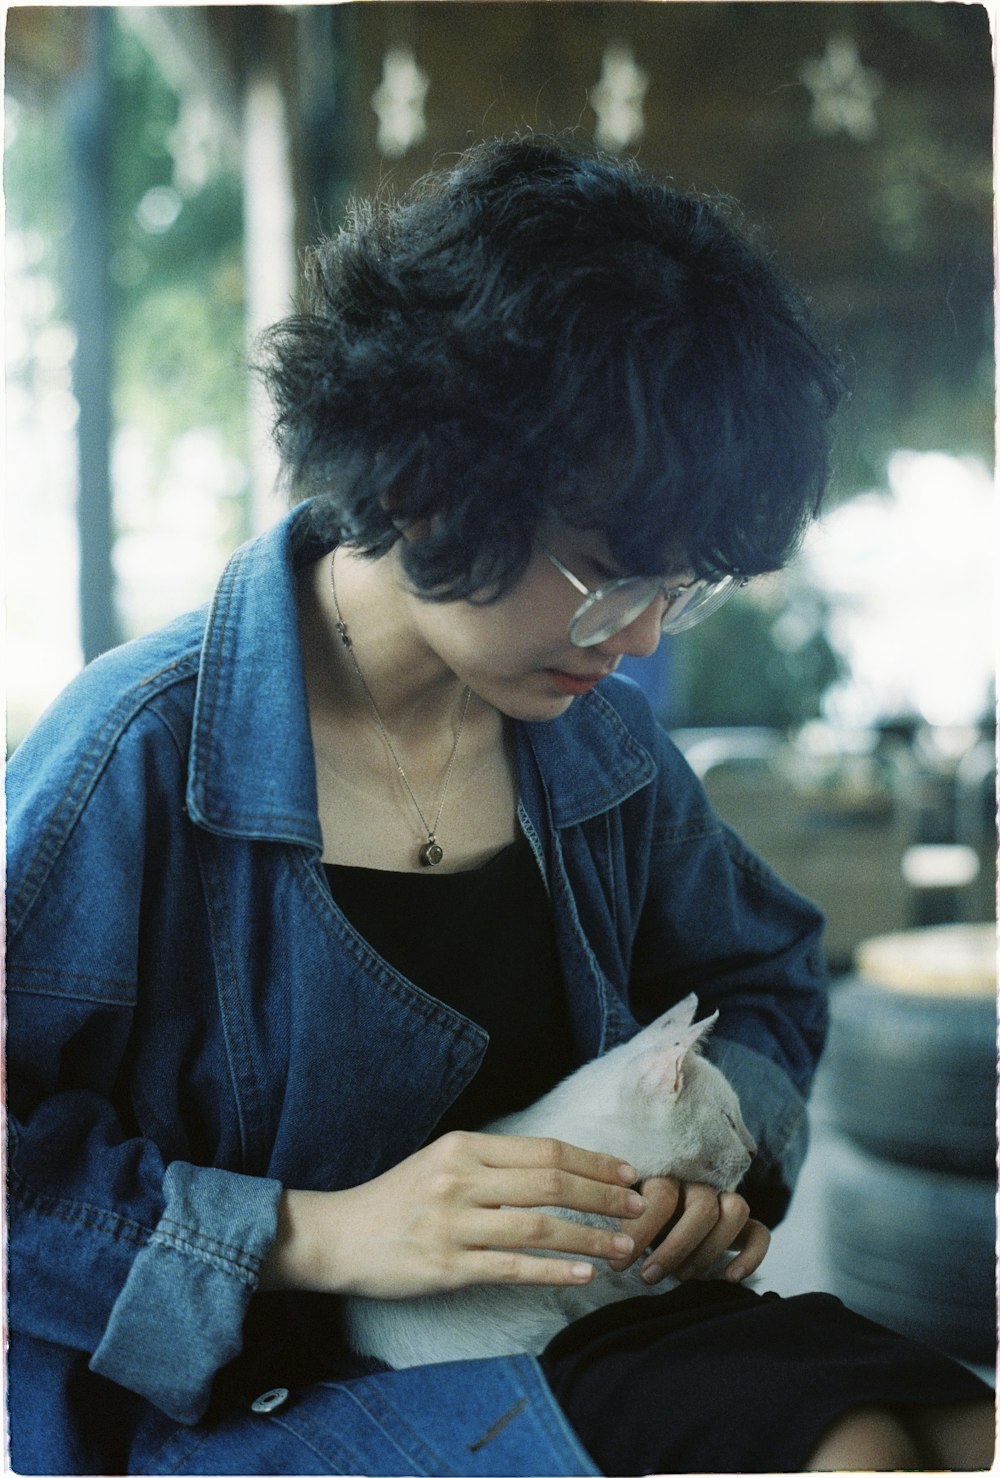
<point x="193" y="1024"/>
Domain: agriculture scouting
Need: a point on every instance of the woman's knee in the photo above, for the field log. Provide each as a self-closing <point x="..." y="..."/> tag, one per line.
<point x="871" y="1438"/>
<point x="961" y="1437"/>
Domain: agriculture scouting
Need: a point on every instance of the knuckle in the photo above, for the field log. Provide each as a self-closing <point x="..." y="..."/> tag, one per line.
<point x="552" y="1185"/>
<point x="455" y="1145"/>
<point x="550" y="1152"/>
<point x="734" y="1209"/>
<point x="540" y="1230"/>
<point x="614" y="1202"/>
<point x="507" y="1267"/>
<point x="444" y="1185"/>
<point x="707" y="1202"/>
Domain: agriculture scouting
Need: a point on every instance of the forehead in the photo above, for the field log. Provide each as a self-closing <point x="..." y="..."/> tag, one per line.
<point x="598" y="546"/>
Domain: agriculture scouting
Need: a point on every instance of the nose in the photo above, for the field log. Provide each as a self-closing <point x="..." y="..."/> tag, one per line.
<point x="641" y="637"/>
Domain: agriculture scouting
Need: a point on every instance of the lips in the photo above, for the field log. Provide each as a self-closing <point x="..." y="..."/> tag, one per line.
<point x="570" y="682"/>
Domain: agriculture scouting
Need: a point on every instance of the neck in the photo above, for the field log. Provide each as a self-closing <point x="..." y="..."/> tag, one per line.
<point x="415" y="691"/>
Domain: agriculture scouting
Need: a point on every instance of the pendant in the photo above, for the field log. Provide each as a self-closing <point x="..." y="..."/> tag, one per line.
<point x="431" y="852"/>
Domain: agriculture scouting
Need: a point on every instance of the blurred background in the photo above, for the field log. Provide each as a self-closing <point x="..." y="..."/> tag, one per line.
<point x="164" y="168"/>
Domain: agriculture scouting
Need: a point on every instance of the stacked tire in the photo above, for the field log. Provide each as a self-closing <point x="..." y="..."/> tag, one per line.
<point x="911" y="1071"/>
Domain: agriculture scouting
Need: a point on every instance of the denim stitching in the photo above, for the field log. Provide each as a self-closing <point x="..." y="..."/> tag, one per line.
<point x="336" y="1459"/>
<point x="528" y="1376"/>
<point x="698" y="828"/>
<point x="193" y="1237"/>
<point x="245" y="1275"/>
<point x="92" y="761"/>
<point x="119" y="992"/>
<point x="374" y="1404"/>
<point x="305" y="1424"/>
<point x="78" y="1213"/>
<point x="222" y="606"/>
<point x="247" y="1094"/>
<point x="380" y="971"/>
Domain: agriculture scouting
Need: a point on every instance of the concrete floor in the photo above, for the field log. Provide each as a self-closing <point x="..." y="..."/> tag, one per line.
<point x="797" y="1260"/>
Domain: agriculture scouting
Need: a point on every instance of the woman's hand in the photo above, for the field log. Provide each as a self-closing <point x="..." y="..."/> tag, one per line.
<point x="700" y="1225"/>
<point x="450" y="1215"/>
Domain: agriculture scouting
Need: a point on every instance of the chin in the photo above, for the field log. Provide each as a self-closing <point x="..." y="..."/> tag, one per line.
<point x="537" y="711"/>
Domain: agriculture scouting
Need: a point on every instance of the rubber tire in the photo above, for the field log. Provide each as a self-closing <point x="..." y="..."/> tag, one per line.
<point x="913" y="1249"/>
<point x="913" y="1077"/>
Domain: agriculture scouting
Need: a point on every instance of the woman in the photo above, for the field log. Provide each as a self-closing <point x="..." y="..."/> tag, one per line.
<point x="305" y="888"/>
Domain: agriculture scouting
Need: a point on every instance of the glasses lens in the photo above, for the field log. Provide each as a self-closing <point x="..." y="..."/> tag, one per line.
<point x="612" y="608"/>
<point x="698" y="601"/>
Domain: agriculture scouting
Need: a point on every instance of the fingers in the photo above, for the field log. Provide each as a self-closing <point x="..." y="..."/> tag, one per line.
<point x="708" y="1225"/>
<point x="518" y="1151"/>
<point x="753" y="1242"/>
<point x="537" y="1173"/>
<point x="560" y="1188"/>
<point x="480" y="1182"/>
<point x="547" y="1233"/>
<point x="663" y="1195"/>
<point x="698" y="1217"/>
<point x="521" y="1267"/>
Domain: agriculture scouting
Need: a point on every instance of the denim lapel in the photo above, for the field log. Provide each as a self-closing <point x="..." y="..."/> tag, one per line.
<point x="251" y="772"/>
<point x="588" y="759"/>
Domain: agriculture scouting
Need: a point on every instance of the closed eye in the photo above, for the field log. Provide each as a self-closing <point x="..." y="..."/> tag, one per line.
<point x="729" y="1119"/>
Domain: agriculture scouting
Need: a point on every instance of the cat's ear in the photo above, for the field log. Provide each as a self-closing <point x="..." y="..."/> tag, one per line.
<point x="662" y="1069"/>
<point x="680" y="1015"/>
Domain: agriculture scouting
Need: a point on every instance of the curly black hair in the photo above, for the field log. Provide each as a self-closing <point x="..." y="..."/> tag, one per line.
<point x="544" y="331"/>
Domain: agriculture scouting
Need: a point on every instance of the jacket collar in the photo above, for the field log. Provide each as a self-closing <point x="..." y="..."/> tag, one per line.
<point x="589" y="760"/>
<point x="251" y="772"/>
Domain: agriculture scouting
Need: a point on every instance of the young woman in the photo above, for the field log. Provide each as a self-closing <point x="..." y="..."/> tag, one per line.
<point x="305" y="887"/>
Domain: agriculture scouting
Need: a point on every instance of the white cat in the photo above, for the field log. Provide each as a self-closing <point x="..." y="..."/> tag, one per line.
<point x="652" y="1101"/>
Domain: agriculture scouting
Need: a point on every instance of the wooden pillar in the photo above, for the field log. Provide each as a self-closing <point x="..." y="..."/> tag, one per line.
<point x="88" y="114"/>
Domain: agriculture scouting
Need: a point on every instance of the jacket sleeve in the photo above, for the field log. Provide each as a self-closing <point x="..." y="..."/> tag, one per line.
<point x="718" y="921"/>
<point x="145" y="1266"/>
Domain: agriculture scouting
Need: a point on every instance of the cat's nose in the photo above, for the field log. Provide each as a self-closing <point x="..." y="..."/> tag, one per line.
<point x="751" y="1149"/>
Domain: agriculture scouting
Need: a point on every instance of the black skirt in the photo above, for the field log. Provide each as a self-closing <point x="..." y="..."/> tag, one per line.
<point x="714" y="1378"/>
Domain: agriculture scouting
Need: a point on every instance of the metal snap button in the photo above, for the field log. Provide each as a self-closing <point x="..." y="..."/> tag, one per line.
<point x="270" y="1400"/>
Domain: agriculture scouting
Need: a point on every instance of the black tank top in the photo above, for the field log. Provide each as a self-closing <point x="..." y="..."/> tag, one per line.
<point x="483" y="942"/>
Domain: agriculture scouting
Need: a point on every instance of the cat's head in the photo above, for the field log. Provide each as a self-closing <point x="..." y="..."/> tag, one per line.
<point x="687" y="1114"/>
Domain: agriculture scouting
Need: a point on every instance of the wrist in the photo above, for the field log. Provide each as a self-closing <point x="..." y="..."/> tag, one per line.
<point x="300" y="1255"/>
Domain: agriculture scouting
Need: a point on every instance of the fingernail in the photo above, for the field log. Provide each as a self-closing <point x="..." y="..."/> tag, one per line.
<point x="583" y="1271"/>
<point x="652" y="1273"/>
<point x="628" y="1173"/>
<point x="735" y="1274"/>
<point x="636" y="1203"/>
<point x="622" y="1245"/>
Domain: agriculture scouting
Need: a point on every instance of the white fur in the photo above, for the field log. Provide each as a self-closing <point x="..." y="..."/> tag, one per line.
<point x="652" y="1101"/>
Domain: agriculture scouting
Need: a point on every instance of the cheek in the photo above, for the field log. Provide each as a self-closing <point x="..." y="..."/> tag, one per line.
<point x="511" y="636"/>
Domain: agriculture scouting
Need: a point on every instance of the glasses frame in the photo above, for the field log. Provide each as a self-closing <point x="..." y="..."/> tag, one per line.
<point x="717" y="592"/>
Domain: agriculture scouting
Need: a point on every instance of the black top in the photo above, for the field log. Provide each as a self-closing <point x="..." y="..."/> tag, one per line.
<point x="483" y="942"/>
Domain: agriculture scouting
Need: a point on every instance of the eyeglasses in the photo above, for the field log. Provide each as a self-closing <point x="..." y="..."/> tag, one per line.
<point x="611" y="607"/>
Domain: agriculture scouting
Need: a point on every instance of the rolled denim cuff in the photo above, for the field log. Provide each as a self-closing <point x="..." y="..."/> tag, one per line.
<point x="179" y="1317"/>
<point x="775" y="1113"/>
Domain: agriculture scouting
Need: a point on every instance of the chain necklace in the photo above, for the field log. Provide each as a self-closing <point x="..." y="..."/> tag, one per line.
<point x="431" y="852"/>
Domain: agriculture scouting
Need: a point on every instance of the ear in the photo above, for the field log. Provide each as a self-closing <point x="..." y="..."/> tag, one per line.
<point x="680" y="1015"/>
<point x="662" y="1068"/>
<point x="410" y="528"/>
<point x="417" y="528"/>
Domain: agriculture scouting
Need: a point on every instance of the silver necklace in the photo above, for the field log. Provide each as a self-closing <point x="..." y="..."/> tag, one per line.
<point x="431" y="852"/>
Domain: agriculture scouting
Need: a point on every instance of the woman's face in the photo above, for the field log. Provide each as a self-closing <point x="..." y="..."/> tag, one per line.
<point x="516" y="653"/>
